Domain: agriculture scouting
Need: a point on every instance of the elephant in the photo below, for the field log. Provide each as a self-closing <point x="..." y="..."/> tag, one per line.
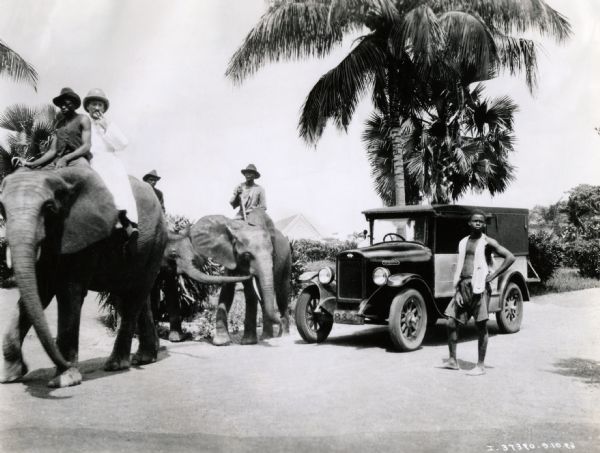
<point x="60" y="227"/>
<point x="179" y="258"/>
<point x="253" y="248"/>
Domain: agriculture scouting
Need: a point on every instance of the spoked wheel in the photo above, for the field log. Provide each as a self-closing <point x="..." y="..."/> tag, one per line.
<point x="408" y="320"/>
<point x="313" y="327"/>
<point x="511" y="314"/>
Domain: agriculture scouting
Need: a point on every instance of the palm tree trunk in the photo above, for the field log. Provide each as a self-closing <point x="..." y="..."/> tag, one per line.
<point x="398" y="149"/>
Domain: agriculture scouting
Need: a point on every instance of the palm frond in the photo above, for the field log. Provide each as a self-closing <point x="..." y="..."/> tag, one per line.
<point x="420" y="34"/>
<point x="469" y="43"/>
<point x="12" y="65"/>
<point x="518" y="54"/>
<point x="18" y="117"/>
<point x="513" y="15"/>
<point x="338" y="91"/>
<point x="288" y="31"/>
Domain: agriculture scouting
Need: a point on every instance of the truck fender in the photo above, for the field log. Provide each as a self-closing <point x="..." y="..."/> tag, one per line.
<point x="325" y="294"/>
<point x="407" y="280"/>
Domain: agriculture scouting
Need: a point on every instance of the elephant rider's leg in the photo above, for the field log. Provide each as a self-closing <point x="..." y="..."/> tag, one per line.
<point x="250" y="318"/>
<point x="148" y="338"/>
<point x="222" y="337"/>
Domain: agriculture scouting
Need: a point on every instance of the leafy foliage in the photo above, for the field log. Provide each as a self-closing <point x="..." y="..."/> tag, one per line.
<point x="413" y="57"/>
<point x="30" y="131"/>
<point x="545" y="254"/>
<point x="585" y="254"/>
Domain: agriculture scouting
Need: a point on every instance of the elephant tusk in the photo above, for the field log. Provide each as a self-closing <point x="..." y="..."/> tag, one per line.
<point x="256" y="290"/>
<point x="8" y="258"/>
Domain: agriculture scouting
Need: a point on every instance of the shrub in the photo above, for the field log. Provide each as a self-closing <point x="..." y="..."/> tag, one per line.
<point x="585" y="255"/>
<point x="309" y="250"/>
<point x="545" y="254"/>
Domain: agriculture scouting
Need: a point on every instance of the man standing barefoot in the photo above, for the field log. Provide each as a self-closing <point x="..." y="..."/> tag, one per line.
<point x="471" y="280"/>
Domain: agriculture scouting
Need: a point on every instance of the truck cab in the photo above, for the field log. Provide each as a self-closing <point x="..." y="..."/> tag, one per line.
<point x="404" y="278"/>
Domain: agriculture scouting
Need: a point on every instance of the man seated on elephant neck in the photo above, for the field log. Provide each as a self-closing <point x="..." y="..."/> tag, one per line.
<point x="71" y="142"/>
<point x="248" y="195"/>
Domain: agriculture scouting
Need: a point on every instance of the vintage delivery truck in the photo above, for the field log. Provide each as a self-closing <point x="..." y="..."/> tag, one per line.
<point x="405" y="277"/>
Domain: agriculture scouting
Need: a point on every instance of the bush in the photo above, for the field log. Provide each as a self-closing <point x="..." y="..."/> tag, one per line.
<point x="585" y="255"/>
<point x="309" y="250"/>
<point x="545" y="254"/>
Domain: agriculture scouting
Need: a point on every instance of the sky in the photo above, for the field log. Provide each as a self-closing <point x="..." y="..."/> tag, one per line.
<point x="162" y="64"/>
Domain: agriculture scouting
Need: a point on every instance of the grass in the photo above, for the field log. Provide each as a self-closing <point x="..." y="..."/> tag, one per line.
<point x="564" y="279"/>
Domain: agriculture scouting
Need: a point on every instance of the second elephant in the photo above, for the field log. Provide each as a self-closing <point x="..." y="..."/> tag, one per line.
<point x="243" y="249"/>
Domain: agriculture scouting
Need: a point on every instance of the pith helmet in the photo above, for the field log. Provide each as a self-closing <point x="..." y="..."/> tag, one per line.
<point x="95" y="94"/>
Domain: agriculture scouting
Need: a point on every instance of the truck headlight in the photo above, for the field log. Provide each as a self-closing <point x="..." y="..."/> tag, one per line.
<point x="380" y="276"/>
<point x="326" y="275"/>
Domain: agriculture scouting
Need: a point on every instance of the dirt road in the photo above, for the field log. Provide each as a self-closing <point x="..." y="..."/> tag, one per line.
<point x="352" y="393"/>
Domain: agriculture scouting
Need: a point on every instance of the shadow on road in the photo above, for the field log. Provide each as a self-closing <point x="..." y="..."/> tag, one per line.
<point x="585" y="369"/>
<point x="379" y="337"/>
<point x="92" y="369"/>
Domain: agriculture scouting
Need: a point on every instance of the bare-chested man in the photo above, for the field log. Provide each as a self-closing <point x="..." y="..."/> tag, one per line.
<point x="71" y="141"/>
<point x="473" y="274"/>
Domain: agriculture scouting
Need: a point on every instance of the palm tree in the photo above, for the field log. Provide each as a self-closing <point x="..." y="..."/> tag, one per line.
<point x="406" y="45"/>
<point x="465" y="147"/>
<point x="15" y="67"/>
<point x="31" y="129"/>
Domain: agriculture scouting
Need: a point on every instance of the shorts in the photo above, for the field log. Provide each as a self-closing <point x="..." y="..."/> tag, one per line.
<point x="475" y="305"/>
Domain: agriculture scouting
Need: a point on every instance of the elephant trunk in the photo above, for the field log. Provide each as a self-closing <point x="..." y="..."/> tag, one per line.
<point x="265" y="281"/>
<point x="202" y="277"/>
<point x="22" y="238"/>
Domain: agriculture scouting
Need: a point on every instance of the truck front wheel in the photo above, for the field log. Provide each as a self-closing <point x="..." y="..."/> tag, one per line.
<point x="408" y="320"/>
<point x="313" y="327"/>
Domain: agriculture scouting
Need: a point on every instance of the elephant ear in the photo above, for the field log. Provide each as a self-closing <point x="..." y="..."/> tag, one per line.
<point x="211" y="237"/>
<point x="91" y="211"/>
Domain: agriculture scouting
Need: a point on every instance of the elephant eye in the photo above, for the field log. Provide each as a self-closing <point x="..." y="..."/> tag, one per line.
<point x="51" y="206"/>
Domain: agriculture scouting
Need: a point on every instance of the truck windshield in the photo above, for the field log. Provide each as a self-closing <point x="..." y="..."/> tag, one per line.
<point x="408" y="229"/>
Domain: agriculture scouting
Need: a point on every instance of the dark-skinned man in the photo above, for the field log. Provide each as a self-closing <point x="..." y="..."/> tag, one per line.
<point x="474" y="272"/>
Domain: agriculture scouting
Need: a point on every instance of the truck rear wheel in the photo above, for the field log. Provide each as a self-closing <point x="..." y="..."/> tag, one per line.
<point x="312" y="327"/>
<point x="408" y="320"/>
<point x="511" y="312"/>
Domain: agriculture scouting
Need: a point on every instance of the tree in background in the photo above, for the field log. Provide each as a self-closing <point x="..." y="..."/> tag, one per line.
<point x="463" y="147"/>
<point x="409" y="54"/>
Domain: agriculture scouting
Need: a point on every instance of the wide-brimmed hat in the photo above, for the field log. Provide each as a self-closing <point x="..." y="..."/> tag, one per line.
<point x="67" y="93"/>
<point x="95" y="94"/>
<point x="251" y="169"/>
<point x="151" y="174"/>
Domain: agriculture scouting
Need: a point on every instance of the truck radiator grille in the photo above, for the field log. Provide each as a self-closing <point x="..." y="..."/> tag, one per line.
<point x="350" y="279"/>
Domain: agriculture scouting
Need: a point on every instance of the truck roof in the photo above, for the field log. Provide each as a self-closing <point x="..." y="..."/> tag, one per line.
<point x="439" y="209"/>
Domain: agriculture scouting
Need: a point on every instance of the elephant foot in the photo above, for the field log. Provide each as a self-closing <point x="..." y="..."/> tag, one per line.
<point x="143" y="358"/>
<point x="221" y="339"/>
<point x="115" y="364"/>
<point x="248" y="339"/>
<point x="67" y="378"/>
<point x="266" y="335"/>
<point x="13" y="371"/>
<point x="176" y="337"/>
